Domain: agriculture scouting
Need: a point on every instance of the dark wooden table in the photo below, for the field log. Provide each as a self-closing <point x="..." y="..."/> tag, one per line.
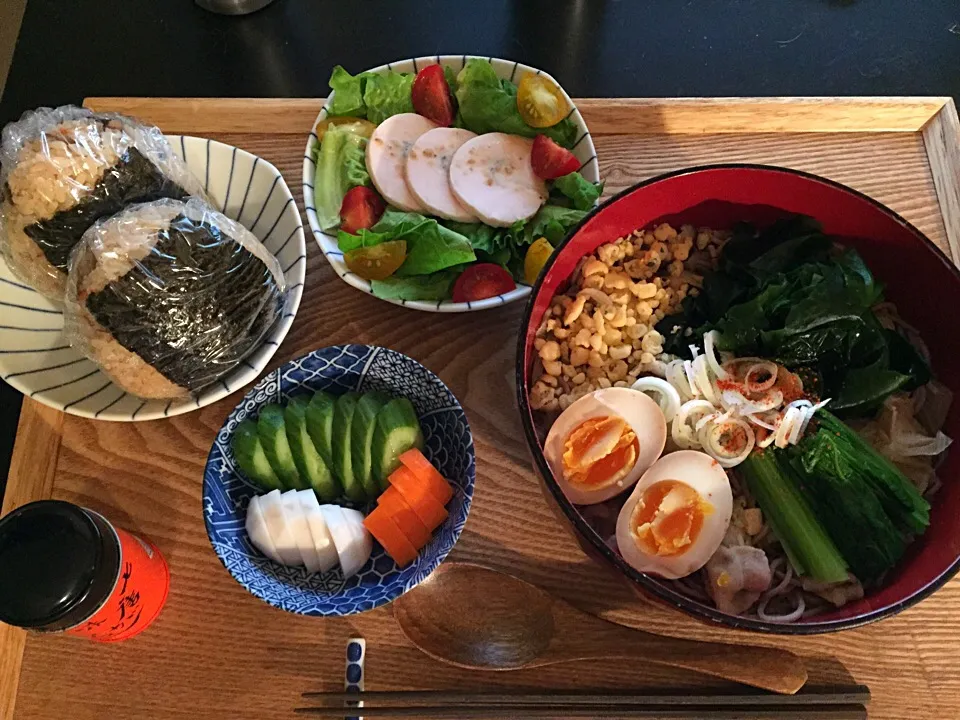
<point x="595" y="48"/>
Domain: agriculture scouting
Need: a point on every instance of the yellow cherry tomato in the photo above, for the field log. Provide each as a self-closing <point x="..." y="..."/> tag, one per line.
<point x="540" y="102"/>
<point x="378" y="262"/>
<point x="358" y="126"/>
<point x="536" y="257"/>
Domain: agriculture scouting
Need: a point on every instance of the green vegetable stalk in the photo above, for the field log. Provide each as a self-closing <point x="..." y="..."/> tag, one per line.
<point x="808" y="547"/>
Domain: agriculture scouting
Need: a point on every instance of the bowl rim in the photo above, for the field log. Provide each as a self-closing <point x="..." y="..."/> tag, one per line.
<point x="470" y="481"/>
<point x="522" y="290"/>
<point x="247" y="370"/>
<point x="647" y="583"/>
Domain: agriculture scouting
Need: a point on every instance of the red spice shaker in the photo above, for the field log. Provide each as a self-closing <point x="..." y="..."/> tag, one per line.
<point x="67" y="569"/>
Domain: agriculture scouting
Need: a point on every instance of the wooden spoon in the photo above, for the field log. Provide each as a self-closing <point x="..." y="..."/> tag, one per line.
<point x="481" y="619"/>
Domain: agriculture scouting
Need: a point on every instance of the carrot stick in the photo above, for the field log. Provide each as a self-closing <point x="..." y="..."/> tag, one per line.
<point x="415" y="461"/>
<point x="406" y="519"/>
<point x="418" y="497"/>
<point x="385" y="530"/>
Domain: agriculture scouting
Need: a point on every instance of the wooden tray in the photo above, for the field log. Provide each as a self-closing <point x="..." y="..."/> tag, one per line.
<point x="218" y="652"/>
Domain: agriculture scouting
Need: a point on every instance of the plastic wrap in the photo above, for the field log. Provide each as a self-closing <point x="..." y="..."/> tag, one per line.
<point x="62" y="170"/>
<point x="168" y="296"/>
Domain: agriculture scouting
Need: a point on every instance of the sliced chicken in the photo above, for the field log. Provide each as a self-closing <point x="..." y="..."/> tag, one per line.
<point x="428" y="172"/>
<point x="492" y="176"/>
<point x="387" y="151"/>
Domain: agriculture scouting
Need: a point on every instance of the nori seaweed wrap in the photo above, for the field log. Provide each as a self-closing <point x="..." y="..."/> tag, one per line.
<point x="169" y="296"/>
<point x="64" y="169"/>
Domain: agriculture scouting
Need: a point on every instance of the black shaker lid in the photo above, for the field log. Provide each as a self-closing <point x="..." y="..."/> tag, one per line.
<point x="57" y="565"/>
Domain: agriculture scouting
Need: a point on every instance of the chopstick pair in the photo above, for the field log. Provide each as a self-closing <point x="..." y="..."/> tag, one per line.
<point x="847" y="703"/>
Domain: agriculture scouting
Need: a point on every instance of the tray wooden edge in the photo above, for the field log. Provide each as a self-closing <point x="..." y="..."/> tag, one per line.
<point x="941" y="138"/>
<point x="39" y="432"/>
<point x="604" y="116"/>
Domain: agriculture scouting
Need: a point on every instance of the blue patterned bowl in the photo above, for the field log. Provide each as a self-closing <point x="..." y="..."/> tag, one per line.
<point x="449" y="446"/>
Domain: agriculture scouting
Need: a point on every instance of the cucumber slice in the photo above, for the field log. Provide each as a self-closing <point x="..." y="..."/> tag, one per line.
<point x="272" y="430"/>
<point x="343" y="412"/>
<point x="320" y="424"/>
<point x="364" y="424"/>
<point x="309" y="464"/>
<point x="398" y="430"/>
<point x="250" y="457"/>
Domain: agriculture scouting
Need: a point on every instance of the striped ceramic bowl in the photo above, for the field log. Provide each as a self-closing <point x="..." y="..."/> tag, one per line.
<point x="36" y="359"/>
<point x="505" y="69"/>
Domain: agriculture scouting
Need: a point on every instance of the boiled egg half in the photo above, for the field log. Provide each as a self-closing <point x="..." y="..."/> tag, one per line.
<point x="676" y="517"/>
<point x="602" y="443"/>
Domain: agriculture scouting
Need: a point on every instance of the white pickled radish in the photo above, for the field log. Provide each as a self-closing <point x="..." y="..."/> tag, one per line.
<point x="298" y="525"/>
<point x="257" y="530"/>
<point x="322" y="540"/>
<point x="276" y="521"/>
<point x="363" y="541"/>
<point x="709" y="349"/>
<point x="667" y="396"/>
<point x="348" y="549"/>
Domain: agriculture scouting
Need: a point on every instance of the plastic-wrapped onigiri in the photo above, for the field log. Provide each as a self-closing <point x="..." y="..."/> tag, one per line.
<point x="62" y="170"/>
<point x="168" y="296"/>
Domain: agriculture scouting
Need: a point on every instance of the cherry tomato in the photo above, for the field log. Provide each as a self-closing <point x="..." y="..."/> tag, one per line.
<point x="377" y="262"/>
<point x="536" y="257"/>
<point x="540" y="102"/>
<point x="358" y="126"/>
<point x="483" y="280"/>
<point x="551" y="161"/>
<point x="361" y="208"/>
<point x="431" y="96"/>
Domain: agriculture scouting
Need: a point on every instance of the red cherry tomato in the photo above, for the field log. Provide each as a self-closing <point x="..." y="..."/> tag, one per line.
<point x="551" y="161"/>
<point x="483" y="280"/>
<point x="431" y="96"/>
<point x="361" y="208"/>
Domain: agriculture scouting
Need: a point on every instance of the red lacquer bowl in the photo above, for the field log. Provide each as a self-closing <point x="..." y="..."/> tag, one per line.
<point x="918" y="277"/>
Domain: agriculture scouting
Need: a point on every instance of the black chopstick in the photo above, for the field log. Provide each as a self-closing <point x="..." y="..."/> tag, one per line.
<point x="502" y="711"/>
<point x="825" y="703"/>
<point x="845" y="695"/>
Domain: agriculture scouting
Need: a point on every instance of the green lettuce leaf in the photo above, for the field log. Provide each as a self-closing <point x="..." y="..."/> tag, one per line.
<point x="583" y="193"/>
<point x="348" y="93"/>
<point x="354" y="159"/>
<point x="388" y="94"/>
<point x="430" y="246"/>
<point x="364" y="238"/>
<point x="436" y="286"/>
<point x="488" y="104"/>
<point x="551" y="222"/>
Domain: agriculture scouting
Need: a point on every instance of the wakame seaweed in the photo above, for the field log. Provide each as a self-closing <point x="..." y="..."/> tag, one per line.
<point x="133" y="179"/>
<point x="192" y="308"/>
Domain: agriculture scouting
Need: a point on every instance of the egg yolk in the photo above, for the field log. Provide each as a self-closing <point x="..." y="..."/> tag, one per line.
<point x="599" y="452"/>
<point x="668" y="518"/>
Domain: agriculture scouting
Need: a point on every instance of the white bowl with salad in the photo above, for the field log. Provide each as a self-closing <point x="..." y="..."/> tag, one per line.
<point x="444" y="183"/>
